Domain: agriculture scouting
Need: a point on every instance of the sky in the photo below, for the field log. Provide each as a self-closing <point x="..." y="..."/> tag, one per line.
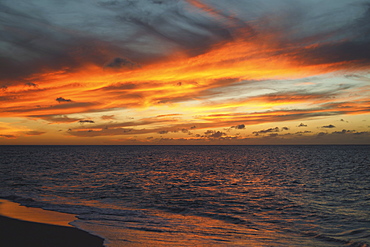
<point x="184" y="72"/>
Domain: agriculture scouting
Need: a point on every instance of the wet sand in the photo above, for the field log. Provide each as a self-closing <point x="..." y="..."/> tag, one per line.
<point x="19" y="233"/>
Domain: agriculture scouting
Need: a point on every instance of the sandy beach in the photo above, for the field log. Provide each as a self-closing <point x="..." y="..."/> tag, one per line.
<point x="18" y="232"/>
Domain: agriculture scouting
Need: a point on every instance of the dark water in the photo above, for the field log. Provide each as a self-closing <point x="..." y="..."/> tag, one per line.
<point x="199" y="195"/>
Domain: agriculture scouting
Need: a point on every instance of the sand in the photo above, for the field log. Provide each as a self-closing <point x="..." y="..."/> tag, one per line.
<point x="19" y="233"/>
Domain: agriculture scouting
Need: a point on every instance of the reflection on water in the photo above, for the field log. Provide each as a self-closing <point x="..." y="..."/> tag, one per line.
<point x="200" y="195"/>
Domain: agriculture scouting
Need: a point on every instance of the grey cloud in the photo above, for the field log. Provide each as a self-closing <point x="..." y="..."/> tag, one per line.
<point x="344" y="132"/>
<point x="119" y="63"/>
<point x="322" y="134"/>
<point x="362" y="133"/>
<point x="330" y="126"/>
<point x="86" y="121"/>
<point x="303" y="132"/>
<point x="51" y="35"/>
<point x="240" y="126"/>
<point x="214" y="134"/>
<point x="256" y="133"/>
<point x="61" y="99"/>
<point x="302" y="125"/>
<point x="31" y="84"/>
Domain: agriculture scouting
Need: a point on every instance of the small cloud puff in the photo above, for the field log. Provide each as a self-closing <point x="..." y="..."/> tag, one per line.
<point x="270" y="130"/>
<point x="239" y="127"/>
<point x="86" y="121"/>
<point x="61" y="99"/>
<point x="330" y="126"/>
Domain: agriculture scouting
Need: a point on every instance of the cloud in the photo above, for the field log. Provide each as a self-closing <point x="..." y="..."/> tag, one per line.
<point x="34" y="133"/>
<point x="8" y="136"/>
<point x="214" y="134"/>
<point x="239" y="127"/>
<point x="86" y="121"/>
<point x="256" y="133"/>
<point x="344" y="132"/>
<point x="31" y="84"/>
<point x="330" y="126"/>
<point x="303" y="132"/>
<point x="107" y="117"/>
<point x="119" y="63"/>
<point x="61" y="99"/>
<point x="322" y="134"/>
<point x="226" y="62"/>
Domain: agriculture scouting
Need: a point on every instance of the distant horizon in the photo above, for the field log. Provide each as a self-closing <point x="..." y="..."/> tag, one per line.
<point x="185" y="72"/>
<point x="184" y="145"/>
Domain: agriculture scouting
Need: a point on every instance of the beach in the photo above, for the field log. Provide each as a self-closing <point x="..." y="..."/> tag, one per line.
<point x="18" y="233"/>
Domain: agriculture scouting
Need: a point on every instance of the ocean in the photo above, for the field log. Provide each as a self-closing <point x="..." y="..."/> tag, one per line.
<point x="199" y="195"/>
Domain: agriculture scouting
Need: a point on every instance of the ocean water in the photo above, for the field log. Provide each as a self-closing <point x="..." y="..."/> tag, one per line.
<point x="199" y="195"/>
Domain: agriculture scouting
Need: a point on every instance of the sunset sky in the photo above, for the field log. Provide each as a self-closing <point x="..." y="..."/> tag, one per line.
<point x="185" y="72"/>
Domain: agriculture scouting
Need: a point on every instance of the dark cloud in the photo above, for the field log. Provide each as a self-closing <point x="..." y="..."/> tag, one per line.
<point x="163" y="132"/>
<point x="302" y="125"/>
<point x="214" y="134"/>
<point x="31" y="84"/>
<point x="330" y="126"/>
<point x="61" y="99"/>
<point x="120" y="63"/>
<point x="48" y="36"/>
<point x="256" y="133"/>
<point x="362" y="133"/>
<point x="303" y="132"/>
<point x="239" y="127"/>
<point x="284" y="128"/>
<point x="344" y="132"/>
<point x="86" y="121"/>
<point x="322" y="134"/>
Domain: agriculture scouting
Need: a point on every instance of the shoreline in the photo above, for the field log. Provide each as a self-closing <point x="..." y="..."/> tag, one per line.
<point x="17" y="229"/>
